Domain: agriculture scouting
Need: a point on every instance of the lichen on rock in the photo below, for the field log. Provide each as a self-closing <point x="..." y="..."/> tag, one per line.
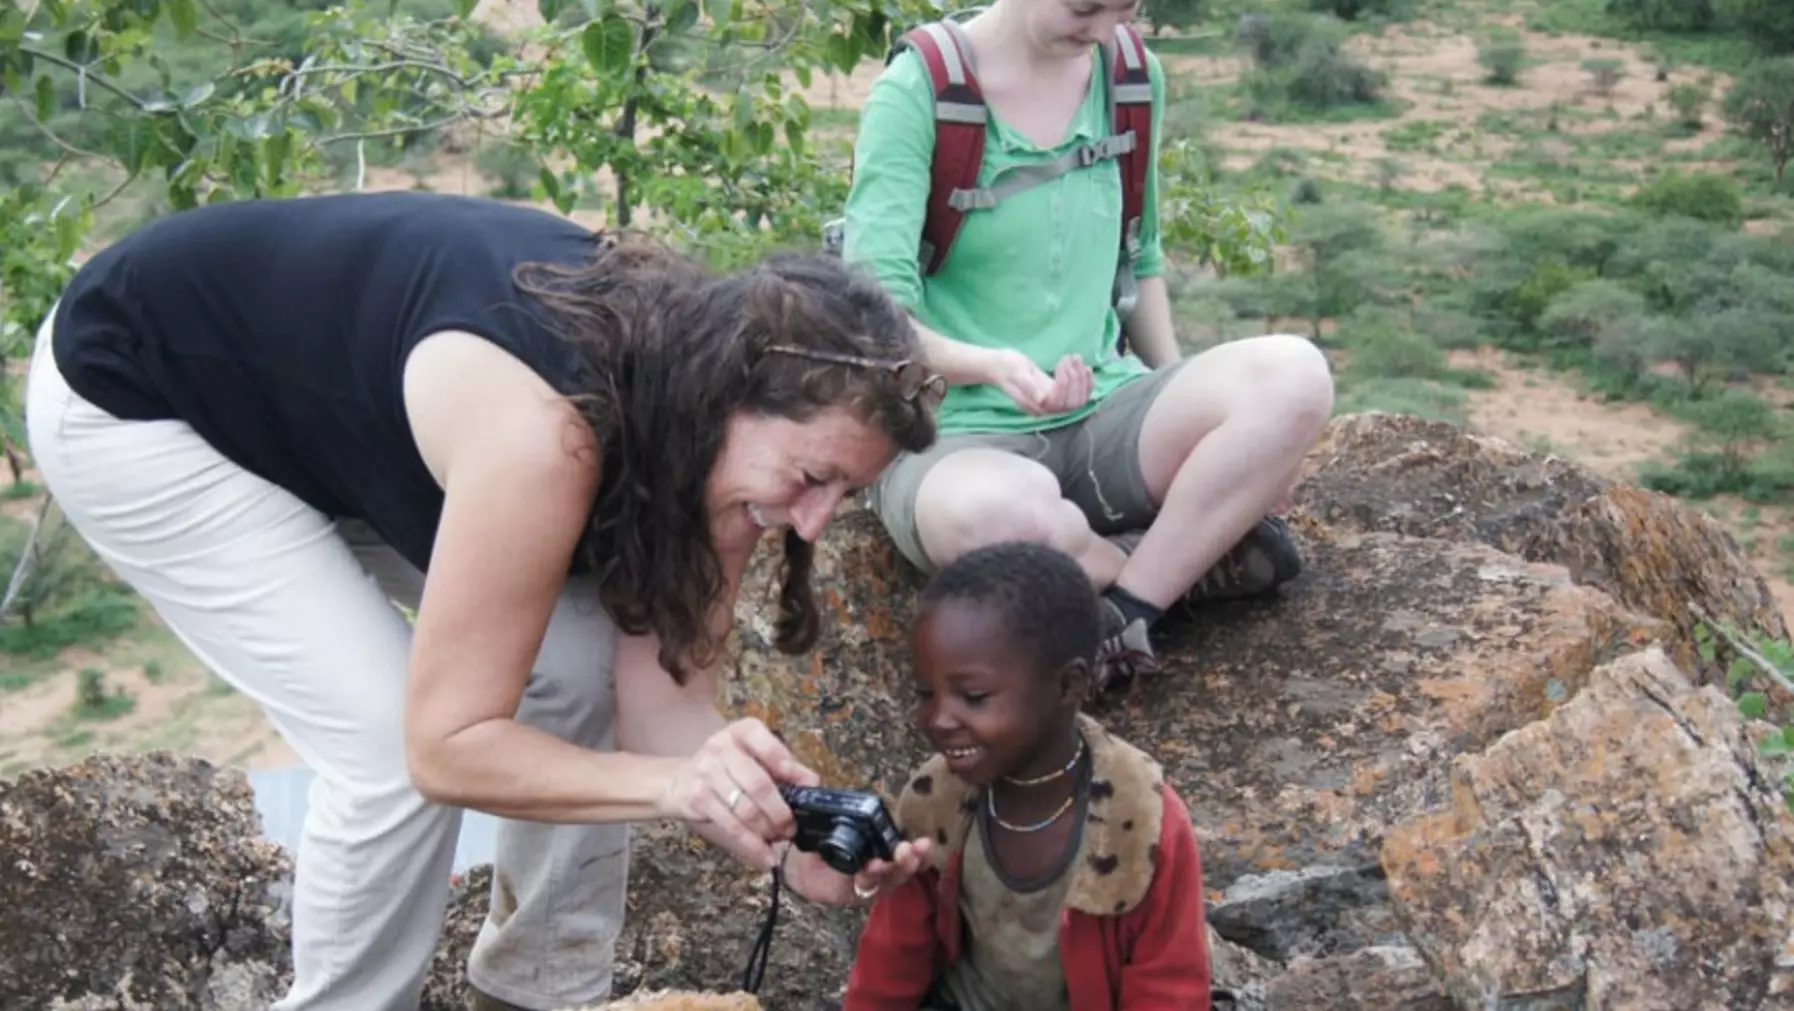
<point x="139" y="881"/>
<point x="1630" y="850"/>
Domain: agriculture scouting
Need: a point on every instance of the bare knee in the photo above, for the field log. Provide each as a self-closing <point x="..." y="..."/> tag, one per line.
<point x="966" y="504"/>
<point x="1295" y="380"/>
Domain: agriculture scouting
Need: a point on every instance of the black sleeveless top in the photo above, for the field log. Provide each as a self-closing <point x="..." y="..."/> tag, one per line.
<point x="279" y="331"/>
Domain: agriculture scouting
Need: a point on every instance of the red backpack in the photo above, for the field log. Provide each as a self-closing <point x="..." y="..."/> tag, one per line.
<point x="960" y="116"/>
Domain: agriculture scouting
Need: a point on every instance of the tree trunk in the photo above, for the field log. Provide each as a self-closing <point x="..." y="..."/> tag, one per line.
<point x="626" y="130"/>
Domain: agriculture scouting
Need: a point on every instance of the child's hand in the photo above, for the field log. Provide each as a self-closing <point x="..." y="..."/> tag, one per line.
<point x="810" y="876"/>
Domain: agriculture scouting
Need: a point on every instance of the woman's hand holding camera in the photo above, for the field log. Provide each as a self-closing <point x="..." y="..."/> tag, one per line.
<point x="809" y="875"/>
<point x="728" y="789"/>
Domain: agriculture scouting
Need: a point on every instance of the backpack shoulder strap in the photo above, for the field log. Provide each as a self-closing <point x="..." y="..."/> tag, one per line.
<point x="960" y="116"/>
<point x="1130" y="110"/>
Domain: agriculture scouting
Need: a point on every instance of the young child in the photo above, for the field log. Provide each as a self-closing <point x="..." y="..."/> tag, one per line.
<point x="1065" y="875"/>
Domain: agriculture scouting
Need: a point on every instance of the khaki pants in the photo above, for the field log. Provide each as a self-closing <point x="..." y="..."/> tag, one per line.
<point x="297" y="612"/>
<point x="1096" y="458"/>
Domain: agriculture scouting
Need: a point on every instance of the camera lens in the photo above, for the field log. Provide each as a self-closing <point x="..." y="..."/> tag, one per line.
<point x="845" y="848"/>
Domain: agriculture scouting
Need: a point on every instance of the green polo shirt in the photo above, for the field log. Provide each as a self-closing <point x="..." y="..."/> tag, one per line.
<point x="1033" y="273"/>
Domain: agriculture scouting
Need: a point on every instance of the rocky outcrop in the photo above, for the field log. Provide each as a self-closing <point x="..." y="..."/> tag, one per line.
<point x="1647" y="551"/>
<point x="1629" y="851"/>
<point x="1443" y="763"/>
<point x="138" y="883"/>
<point x="679" y="1000"/>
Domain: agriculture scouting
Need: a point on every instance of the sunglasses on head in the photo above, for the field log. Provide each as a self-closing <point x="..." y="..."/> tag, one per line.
<point x="914" y="382"/>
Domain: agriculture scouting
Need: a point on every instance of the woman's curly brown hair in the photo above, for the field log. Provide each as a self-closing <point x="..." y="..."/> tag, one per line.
<point x="668" y="353"/>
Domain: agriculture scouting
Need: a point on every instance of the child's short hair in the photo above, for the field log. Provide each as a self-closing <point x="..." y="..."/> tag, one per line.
<point x="1046" y="601"/>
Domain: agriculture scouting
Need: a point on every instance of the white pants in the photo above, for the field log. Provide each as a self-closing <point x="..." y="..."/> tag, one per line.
<point x="297" y="612"/>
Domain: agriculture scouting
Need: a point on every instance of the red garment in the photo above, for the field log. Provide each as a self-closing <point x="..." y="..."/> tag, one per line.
<point x="1153" y="957"/>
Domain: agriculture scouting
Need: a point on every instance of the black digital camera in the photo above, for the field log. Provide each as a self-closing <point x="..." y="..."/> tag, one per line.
<point x="848" y="828"/>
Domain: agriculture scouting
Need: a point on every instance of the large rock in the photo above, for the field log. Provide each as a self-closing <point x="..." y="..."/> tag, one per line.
<point x="1378" y="978"/>
<point x="134" y="883"/>
<point x="1629" y="851"/>
<point x="1435" y="656"/>
<point x="678" y="1000"/>
<point x="1431" y="479"/>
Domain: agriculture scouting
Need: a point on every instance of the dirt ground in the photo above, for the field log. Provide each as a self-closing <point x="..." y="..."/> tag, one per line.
<point x="1432" y="69"/>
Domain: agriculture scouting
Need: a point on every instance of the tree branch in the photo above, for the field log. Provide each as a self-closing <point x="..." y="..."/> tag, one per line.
<point x="105" y="83"/>
<point x="399" y="131"/>
<point x="49" y="134"/>
<point x="1745" y="650"/>
<point x="376" y="68"/>
<point x="21" y="572"/>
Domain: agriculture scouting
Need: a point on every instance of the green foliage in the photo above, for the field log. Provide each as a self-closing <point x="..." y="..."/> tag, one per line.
<point x="1760" y="106"/>
<point x="1502" y="55"/>
<point x="1769" y="22"/>
<point x="728" y="162"/>
<point x="95" y="701"/>
<point x="1357" y="10"/>
<point x="1589" y="311"/>
<point x="1419" y="397"/>
<point x="1175" y="14"/>
<point x="1301" y="60"/>
<point x="1702" y="196"/>
<point x="1548" y="279"/>
<point x="70" y="598"/>
<point x="1233" y="233"/>
<point x="1381" y="346"/>
<point x="1690" y="99"/>
<point x="1605" y="73"/>
<point x="1755" y="665"/>
<point x="1667" y="15"/>
<point x="1725" y="452"/>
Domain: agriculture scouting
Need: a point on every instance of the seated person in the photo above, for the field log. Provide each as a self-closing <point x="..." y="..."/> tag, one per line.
<point x="1160" y="475"/>
<point x="1065" y="872"/>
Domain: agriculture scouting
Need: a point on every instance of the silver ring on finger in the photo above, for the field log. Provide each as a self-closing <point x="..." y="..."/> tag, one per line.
<point x="734" y="799"/>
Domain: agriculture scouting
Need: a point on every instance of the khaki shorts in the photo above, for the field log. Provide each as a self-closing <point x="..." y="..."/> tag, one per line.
<point x="1096" y="459"/>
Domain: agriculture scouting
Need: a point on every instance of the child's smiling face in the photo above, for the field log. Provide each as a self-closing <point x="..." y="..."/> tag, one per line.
<point x="980" y="700"/>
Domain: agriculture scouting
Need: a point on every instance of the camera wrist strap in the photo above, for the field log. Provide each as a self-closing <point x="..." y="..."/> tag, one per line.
<point x="762" y="950"/>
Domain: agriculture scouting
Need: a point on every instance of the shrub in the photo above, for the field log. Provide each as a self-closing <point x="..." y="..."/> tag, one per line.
<point x="1700" y="196"/>
<point x="1382" y="348"/>
<point x="1579" y="315"/>
<point x="1352" y="10"/>
<point x="1502" y="54"/>
<point x="1303" y="60"/>
<point x="1606" y="73"/>
<point x="1690" y="102"/>
<point x="1666" y="15"/>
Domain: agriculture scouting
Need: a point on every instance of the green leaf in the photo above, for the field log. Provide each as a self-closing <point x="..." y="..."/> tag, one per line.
<point x="1776" y="745"/>
<point x="720" y="11"/>
<point x="1739" y="672"/>
<point x="1754" y="705"/>
<point x="744" y="108"/>
<point x="550" y="9"/>
<point x="680" y="15"/>
<point x="843" y="52"/>
<point x="183" y="14"/>
<point x="69" y="230"/>
<point x="46" y="98"/>
<point x="609" y="45"/>
<point x="197" y="94"/>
